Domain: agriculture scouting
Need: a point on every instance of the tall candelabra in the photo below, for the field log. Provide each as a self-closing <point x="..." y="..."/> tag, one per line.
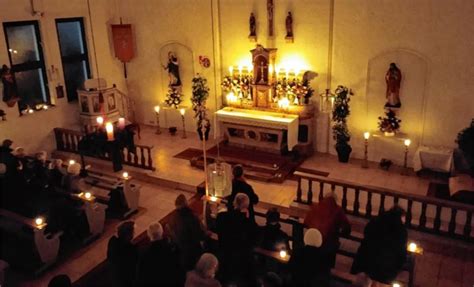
<point x="157" y="114"/>
<point x="365" y="163"/>
<point x="182" y="112"/>
<point x="407" y="143"/>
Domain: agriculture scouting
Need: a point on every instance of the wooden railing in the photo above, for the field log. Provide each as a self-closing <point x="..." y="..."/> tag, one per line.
<point x="451" y="219"/>
<point x="68" y="140"/>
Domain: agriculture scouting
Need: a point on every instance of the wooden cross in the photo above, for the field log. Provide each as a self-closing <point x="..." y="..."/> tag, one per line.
<point x="270" y="17"/>
<point x="262" y="75"/>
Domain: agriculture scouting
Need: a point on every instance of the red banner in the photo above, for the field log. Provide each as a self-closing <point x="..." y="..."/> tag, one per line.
<point x="123" y="42"/>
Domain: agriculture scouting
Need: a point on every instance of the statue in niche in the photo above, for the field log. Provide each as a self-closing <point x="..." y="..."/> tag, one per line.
<point x="289" y="25"/>
<point x="10" y="91"/>
<point x="173" y="70"/>
<point x="252" y="26"/>
<point x="393" y="79"/>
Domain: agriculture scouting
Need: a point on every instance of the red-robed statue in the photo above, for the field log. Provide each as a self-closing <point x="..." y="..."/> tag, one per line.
<point x="393" y="78"/>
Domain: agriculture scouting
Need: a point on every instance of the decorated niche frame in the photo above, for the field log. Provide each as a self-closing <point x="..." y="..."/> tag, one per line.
<point x="263" y="61"/>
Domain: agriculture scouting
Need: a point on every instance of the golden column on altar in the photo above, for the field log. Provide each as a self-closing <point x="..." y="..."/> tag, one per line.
<point x="263" y="60"/>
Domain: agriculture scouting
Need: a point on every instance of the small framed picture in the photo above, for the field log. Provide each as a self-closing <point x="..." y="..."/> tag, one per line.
<point x="84" y="105"/>
<point x="111" y="102"/>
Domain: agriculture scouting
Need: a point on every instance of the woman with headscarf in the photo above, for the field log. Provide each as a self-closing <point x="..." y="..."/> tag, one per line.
<point x="310" y="265"/>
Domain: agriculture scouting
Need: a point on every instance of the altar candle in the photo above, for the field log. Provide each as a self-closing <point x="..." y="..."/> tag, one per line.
<point x="240" y="70"/>
<point x="231" y="70"/>
<point x="157" y="109"/>
<point x="121" y="123"/>
<point x="100" y="120"/>
<point x="109" y="128"/>
<point x="407" y="142"/>
<point x="182" y="112"/>
<point x="366" y="135"/>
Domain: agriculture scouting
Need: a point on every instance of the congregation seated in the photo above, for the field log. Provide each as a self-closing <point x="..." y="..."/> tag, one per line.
<point x="310" y="266"/>
<point x="56" y="173"/>
<point x="237" y="238"/>
<point x="382" y="252"/>
<point x="273" y="238"/>
<point x="204" y="272"/>
<point x="72" y="181"/>
<point x="187" y="232"/>
<point x="122" y="255"/>
<point x="159" y="261"/>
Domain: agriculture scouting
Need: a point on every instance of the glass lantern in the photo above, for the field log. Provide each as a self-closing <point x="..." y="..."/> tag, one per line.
<point x="326" y="101"/>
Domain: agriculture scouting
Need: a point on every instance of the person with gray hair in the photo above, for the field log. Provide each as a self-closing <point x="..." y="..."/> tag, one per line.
<point x="309" y="265"/>
<point x="240" y="185"/>
<point x="204" y="272"/>
<point x="158" y="261"/>
<point x="237" y="237"/>
<point x="72" y="181"/>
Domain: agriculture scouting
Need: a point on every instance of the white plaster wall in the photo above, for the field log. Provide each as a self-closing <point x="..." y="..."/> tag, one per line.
<point x="439" y="32"/>
<point x="34" y="132"/>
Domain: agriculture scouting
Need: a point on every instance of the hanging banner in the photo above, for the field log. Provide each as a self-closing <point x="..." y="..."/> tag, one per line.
<point x="123" y="42"/>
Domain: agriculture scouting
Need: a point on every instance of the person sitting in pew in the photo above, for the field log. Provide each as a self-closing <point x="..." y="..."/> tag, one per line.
<point x="72" y="182"/>
<point x="56" y="173"/>
<point x="204" y="272"/>
<point x="273" y="238"/>
<point x="382" y="252"/>
<point x="310" y="265"/>
<point x="122" y="255"/>
<point x="40" y="170"/>
<point x="329" y="218"/>
<point x="159" y="260"/>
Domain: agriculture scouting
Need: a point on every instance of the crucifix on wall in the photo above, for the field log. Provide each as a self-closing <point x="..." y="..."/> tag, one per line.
<point x="270" y="17"/>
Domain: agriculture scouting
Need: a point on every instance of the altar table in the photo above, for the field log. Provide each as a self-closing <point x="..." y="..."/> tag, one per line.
<point x="435" y="158"/>
<point x="260" y="120"/>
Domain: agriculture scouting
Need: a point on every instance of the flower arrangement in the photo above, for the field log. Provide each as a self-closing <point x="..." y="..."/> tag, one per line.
<point x="198" y="100"/>
<point x="240" y="86"/>
<point x="296" y="90"/>
<point x="173" y="97"/>
<point x="390" y="123"/>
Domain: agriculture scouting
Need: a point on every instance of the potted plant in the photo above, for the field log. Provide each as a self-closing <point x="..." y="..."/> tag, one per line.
<point x="340" y="131"/>
<point x="465" y="141"/>
<point x="198" y="99"/>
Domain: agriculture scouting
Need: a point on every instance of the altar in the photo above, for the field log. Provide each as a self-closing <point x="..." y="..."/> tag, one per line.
<point x="264" y="130"/>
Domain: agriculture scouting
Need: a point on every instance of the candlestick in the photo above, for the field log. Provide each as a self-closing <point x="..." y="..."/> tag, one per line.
<point x="365" y="163"/>
<point x="182" y="111"/>
<point x="157" y="114"/>
<point x="407" y="143"/>
<point x="121" y="123"/>
<point x="109" y="128"/>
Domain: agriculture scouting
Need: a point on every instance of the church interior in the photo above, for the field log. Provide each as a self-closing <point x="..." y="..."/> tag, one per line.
<point x="236" y="143"/>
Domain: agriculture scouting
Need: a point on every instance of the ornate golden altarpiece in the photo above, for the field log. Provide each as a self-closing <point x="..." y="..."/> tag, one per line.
<point x="257" y="116"/>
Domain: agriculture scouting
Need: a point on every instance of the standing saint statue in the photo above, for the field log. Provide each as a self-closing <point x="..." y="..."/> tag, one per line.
<point x="10" y="92"/>
<point x="393" y="78"/>
<point x="173" y="70"/>
<point x="270" y="17"/>
<point x="289" y="25"/>
<point x="252" y="25"/>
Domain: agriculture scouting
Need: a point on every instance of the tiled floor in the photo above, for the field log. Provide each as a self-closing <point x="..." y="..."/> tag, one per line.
<point x="434" y="269"/>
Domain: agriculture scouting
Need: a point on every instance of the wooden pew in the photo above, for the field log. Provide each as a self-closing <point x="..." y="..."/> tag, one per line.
<point x="121" y="195"/>
<point x="25" y="244"/>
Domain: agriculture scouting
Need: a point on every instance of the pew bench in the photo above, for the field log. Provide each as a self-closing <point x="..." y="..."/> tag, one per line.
<point x="27" y="245"/>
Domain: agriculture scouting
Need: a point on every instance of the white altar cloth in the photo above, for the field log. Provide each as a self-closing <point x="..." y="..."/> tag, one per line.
<point x="259" y="119"/>
<point x="435" y="158"/>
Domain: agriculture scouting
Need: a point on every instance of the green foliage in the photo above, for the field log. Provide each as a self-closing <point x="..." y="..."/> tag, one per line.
<point x="173" y="98"/>
<point x="340" y="112"/>
<point x="198" y="99"/>
<point x="390" y="123"/>
<point x="465" y="141"/>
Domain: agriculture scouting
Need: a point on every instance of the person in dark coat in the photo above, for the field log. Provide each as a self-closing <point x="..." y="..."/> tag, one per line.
<point x="187" y="232"/>
<point x="159" y="262"/>
<point x="273" y="238"/>
<point x="237" y="237"/>
<point x="382" y="252"/>
<point x="240" y="185"/>
<point x="122" y="255"/>
<point x="56" y="173"/>
<point x="310" y="266"/>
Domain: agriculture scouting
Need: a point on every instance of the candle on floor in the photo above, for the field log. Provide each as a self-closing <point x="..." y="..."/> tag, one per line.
<point x="71" y="162"/>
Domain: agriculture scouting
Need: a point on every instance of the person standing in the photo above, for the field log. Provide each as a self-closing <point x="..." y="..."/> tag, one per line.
<point x="240" y="185"/>
<point x="122" y="255"/>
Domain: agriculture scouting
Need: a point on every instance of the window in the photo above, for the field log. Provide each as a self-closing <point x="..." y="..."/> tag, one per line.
<point x="74" y="55"/>
<point x="27" y="62"/>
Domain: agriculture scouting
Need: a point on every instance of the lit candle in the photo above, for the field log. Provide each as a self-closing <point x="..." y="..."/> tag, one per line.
<point x="182" y="111"/>
<point x="283" y="253"/>
<point x="157" y="109"/>
<point x="407" y="142"/>
<point x="121" y="123"/>
<point x="213" y="198"/>
<point x="109" y="128"/>
<point x="39" y="221"/>
<point x="285" y="103"/>
<point x="45" y="107"/>
<point x="240" y="70"/>
<point x="100" y="120"/>
<point x="87" y="195"/>
<point x="125" y="175"/>
<point x="412" y="247"/>
<point x="366" y="135"/>
<point x="396" y="285"/>
<point x="230" y="97"/>
<point x="71" y="162"/>
<point x="30" y="111"/>
<point x="231" y="71"/>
